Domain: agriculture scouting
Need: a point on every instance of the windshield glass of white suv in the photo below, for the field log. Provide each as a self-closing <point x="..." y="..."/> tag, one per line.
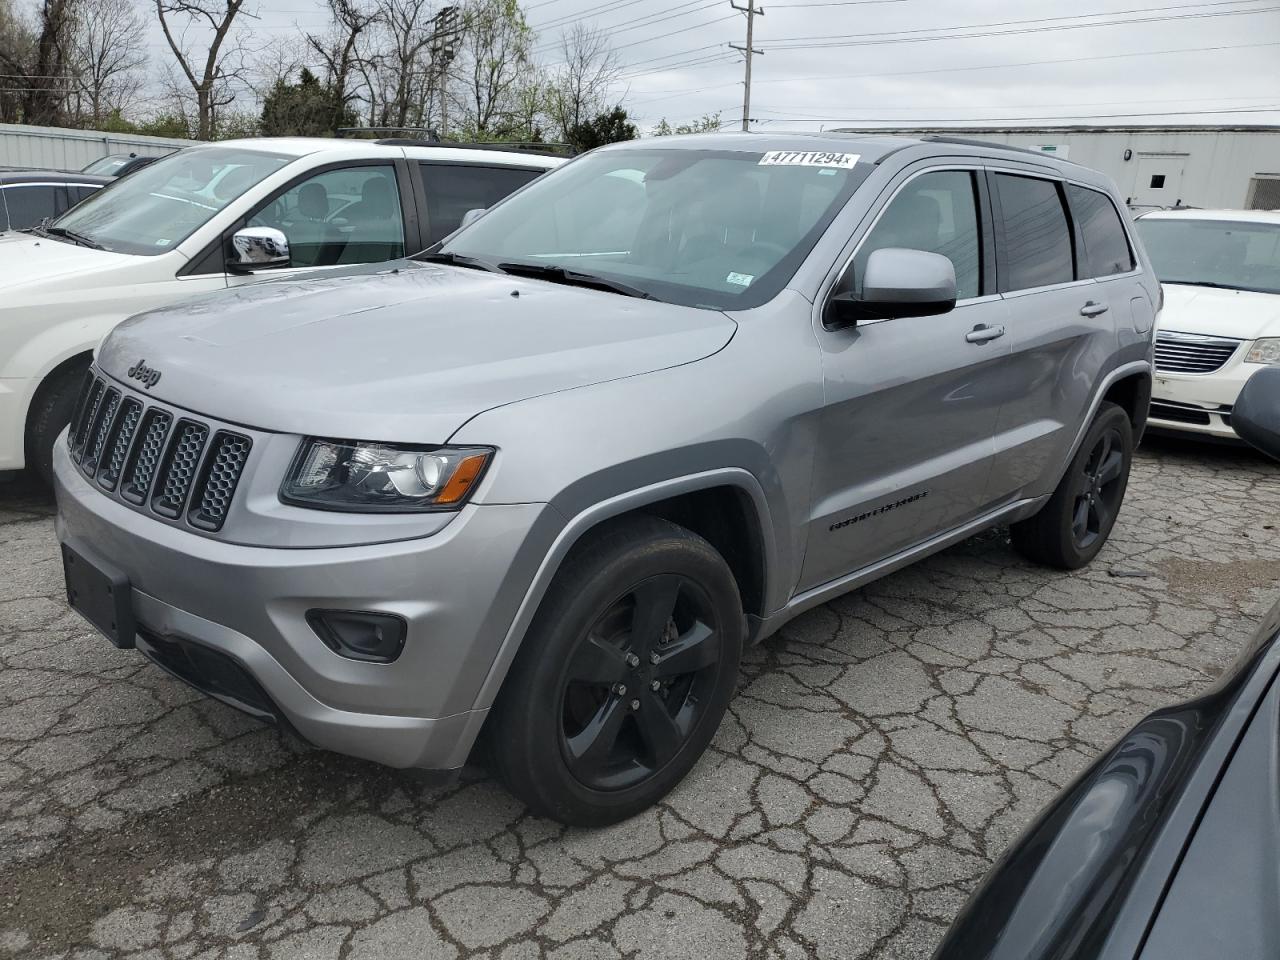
<point x="155" y="209"/>
<point x="710" y="228"/>
<point x="1214" y="253"/>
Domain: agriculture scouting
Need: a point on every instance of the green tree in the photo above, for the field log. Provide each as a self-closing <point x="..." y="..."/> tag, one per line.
<point x="709" y="123"/>
<point x="307" y="108"/>
<point x="610" y="127"/>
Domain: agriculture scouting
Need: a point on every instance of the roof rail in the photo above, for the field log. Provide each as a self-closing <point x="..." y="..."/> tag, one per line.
<point x="974" y="142"/>
<point x="430" y="138"/>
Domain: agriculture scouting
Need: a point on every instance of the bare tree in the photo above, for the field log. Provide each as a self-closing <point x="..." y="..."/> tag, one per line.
<point x="341" y="48"/>
<point x="494" y="59"/>
<point x="36" y="61"/>
<point x="109" y="53"/>
<point x="223" y="61"/>
<point x="408" y="26"/>
<point x="581" y="88"/>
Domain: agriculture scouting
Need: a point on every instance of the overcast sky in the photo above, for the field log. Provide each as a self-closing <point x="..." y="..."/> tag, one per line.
<point x="848" y="62"/>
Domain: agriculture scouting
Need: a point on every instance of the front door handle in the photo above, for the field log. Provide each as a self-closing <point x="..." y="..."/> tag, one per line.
<point x="1092" y="309"/>
<point x="982" y="333"/>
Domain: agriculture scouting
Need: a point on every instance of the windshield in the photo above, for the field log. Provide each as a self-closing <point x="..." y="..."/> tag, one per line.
<point x="106" y="166"/>
<point x="155" y="209"/>
<point x="708" y="228"/>
<point x="1238" y="255"/>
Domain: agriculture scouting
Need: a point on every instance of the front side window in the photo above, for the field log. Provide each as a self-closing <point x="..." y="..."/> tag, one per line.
<point x="346" y="215"/>
<point x="28" y="205"/>
<point x="152" y="211"/>
<point x="718" y="229"/>
<point x="453" y="189"/>
<point x="937" y="213"/>
<point x="1106" y="245"/>
<point x="1037" y="234"/>
<point x="1213" y="253"/>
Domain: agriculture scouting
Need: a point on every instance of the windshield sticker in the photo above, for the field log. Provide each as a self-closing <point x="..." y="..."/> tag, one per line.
<point x="163" y="242"/>
<point x="800" y="158"/>
<point x="741" y="279"/>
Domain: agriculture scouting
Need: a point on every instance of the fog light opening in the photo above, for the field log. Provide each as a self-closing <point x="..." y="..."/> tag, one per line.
<point x="360" y="634"/>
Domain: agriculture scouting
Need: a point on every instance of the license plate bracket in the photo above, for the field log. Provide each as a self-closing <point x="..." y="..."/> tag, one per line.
<point x="101" y="594"/>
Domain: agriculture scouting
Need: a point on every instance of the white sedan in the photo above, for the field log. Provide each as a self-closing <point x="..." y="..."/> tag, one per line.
<point x="1221" y="319"/>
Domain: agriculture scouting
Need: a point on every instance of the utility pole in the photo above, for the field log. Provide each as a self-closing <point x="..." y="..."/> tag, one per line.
<point x="751" y="12"/>
<point x="444" y="38"/>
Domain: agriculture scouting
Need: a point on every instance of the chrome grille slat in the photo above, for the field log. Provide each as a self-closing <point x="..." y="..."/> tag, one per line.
<point x="178" y="471"/>
<point x="99" y="428"/>
<point x="1177" y="353"/>
<point x="126" y="428"/>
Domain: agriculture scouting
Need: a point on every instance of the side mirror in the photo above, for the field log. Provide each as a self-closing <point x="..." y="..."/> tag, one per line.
<point x="258" y="248"/>
<point x="471" y="216"/>
<point x="896" y="283"/>
<point x="1256" y="414"/>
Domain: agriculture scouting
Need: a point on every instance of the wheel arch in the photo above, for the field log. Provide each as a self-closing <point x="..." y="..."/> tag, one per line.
<point x="709" y="502"/>
<point x="1132" y="393"/>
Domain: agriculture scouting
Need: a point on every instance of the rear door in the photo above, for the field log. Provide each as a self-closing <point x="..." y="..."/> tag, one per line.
<point x="911" y="403"/>
<point x="450" y="190"/>
<point x="1061" y="327"/>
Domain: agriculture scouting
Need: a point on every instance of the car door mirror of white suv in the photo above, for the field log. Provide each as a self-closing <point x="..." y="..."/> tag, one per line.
<point x="258" y="248"/>
<point x="1256" y="414"/>
<point x="471" y="216"/>
<point x="897" y="283"/>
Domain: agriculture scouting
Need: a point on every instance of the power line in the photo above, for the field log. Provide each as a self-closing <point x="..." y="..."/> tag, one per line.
<point x="649" y="19"/>
<point x="800" y="114"/>
<point x="1088" y="116"/>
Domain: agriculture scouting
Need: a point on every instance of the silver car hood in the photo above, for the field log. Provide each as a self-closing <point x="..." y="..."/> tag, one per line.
<point x="405" y="352"/>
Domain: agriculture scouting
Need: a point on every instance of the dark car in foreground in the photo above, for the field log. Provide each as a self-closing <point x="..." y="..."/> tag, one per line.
<point x="27" y="197"/>
<point x="1168" y="846"/>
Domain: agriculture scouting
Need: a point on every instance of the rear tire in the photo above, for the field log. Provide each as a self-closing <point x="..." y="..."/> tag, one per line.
<point x="51" y="411"/>
<point x="624" y="676"/>
<point x="1074" y="525"/>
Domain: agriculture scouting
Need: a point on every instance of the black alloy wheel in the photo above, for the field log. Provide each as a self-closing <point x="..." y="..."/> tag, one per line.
<point x="639" y="682"/>
<point x="1100" y="490"/>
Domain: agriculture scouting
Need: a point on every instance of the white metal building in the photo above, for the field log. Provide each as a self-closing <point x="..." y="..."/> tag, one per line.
<point x="1228" y="167"/>
<point x="58" y="148"/>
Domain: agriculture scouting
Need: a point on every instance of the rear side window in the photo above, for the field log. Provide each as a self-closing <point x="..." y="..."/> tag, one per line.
<point x="1037" y="234"/>
<point x="938" y="213"/>
<point x="1106" y="246"/>
<point x="453" y="188"/>
<point x="29" y="205"/>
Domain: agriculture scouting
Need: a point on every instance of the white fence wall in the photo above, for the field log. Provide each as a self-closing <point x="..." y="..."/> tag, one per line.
<point x="57" y="148"/>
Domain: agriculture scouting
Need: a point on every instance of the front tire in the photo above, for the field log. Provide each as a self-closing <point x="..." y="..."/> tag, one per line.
<point x="624" y="676"/>
<point x="51" y="411"/>
<point x="1074" y="525"/>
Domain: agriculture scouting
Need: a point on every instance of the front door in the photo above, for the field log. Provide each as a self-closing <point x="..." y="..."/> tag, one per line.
<point x="911" y="403"/>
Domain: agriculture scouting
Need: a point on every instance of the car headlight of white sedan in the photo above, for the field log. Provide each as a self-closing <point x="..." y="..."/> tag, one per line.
<point x="1264" y="351"/>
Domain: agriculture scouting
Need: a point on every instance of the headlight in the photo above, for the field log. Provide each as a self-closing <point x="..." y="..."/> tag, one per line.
<point x="1264" y="351"/>
<point x="382" y="477"/>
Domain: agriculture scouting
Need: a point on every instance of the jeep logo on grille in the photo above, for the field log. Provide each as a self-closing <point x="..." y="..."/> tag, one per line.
<point x="147" y="375"/>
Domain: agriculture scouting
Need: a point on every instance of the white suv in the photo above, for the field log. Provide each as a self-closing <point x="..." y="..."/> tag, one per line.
<point x="1221" y="322"/>
<point x="208" y="218"/>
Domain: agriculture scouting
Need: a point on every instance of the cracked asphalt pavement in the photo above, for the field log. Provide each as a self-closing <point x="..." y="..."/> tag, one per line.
<point x="881" y="753"/>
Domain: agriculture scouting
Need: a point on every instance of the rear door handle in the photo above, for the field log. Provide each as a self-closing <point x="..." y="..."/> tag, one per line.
<point x="982" y="333"/>
<point x="1092" y="309"/>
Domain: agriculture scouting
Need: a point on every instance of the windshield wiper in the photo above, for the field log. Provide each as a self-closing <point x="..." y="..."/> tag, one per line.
<point x="1203" y="283"/>
<point x="71" y="235"/>
<point x="558" y="274"/>
<point x="460" y="260"/>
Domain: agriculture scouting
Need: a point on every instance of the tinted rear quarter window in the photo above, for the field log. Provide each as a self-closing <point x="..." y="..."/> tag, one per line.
<point x="454" y="188"/>
<point x="1037" y="234"/>
<point x="1106" y="246"/>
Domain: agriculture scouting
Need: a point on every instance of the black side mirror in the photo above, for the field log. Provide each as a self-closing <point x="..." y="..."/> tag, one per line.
<point x="897" y="283"/>
<point x="1256" y="414"/>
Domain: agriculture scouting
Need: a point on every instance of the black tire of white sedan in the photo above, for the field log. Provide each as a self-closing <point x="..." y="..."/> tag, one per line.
<point x="51" y="410"/>
<point x="1074" y="525"/>
<point x="625" y="674"/>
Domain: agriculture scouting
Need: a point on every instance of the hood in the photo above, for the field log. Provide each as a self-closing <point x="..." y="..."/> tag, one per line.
<point x="26" y="259"/>
<point x="1240" y="314"/>
<point x="405" y="352"/>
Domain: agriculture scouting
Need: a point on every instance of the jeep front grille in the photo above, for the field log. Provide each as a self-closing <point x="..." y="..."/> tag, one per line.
<point x="162" y="463"/>
<point x="1192" y="353"/>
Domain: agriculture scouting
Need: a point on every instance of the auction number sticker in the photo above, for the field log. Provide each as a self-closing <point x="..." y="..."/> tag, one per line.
<point x="802" y="158"/>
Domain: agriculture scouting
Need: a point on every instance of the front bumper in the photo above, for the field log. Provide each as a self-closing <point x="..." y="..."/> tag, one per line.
<point x="458" y="589"/>
<point x="1200" y="403"/>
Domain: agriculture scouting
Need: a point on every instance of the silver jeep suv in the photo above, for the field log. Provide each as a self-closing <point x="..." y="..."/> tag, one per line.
<point x="545" y="480"/>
